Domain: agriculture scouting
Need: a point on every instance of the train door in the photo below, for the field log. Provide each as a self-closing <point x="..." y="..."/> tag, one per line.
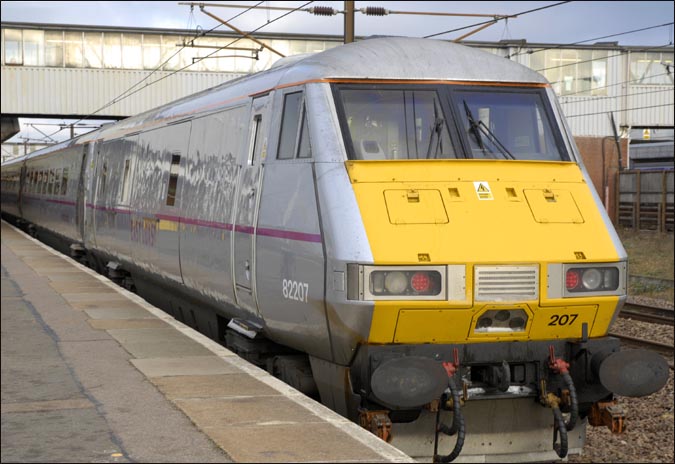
<point x="87" y="187"/>
<point x="245" y="213"/>
<point x="80" y="206"/>
<point x="22" y="182"/>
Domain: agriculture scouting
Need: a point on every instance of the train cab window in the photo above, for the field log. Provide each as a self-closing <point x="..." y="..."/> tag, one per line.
<point x="173" y="180"/>
<point x="294" y="137"/>
<point x="304" y="148"/>
<point x="392" y="124"/>
<point x="507" y="124"/>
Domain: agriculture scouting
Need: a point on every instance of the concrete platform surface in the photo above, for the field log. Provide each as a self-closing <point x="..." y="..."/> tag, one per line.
<point x="93" y="373"/>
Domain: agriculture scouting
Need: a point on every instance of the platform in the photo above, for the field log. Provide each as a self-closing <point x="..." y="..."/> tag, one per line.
<point x="94" y="373"/>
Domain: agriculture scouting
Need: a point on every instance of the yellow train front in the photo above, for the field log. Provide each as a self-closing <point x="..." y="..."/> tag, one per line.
<point x="494" y="272"/>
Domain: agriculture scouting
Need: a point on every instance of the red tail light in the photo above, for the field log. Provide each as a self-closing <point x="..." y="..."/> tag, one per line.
<point x="572" y="279"/>
<point x="420" y="282"/>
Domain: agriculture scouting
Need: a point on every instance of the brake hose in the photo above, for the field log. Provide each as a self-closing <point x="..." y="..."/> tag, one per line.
<point x="559" y="426"/>
<point x="574" y="403"/>
<point x="458" y="427"/>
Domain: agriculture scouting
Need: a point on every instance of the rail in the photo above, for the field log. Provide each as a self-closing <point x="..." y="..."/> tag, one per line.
<point x="662" y="348"/>
<point x="646" y="313"/>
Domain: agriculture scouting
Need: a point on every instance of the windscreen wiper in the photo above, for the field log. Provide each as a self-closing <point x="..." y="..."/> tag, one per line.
<point x="479" y="127"/>
<point x="437" y="129"/>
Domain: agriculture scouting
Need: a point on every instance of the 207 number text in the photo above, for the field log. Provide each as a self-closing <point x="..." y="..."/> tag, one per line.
<point x="564" y="319"/>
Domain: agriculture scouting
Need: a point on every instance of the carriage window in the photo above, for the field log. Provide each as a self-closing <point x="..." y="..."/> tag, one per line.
<point x="64" y="182"/>
<point x="501" y="124"/>
<point x="173" y="180"/>
<point x="50" y="185"/>
<point x="125" y="182"/>
<point x="57" y="182"/>
<point x="255" y="139"/>
<point x="104" y="176"/>
<point x="396" y="124"/>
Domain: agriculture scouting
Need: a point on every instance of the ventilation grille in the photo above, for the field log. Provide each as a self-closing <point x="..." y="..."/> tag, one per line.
<point x="506" y="283"/>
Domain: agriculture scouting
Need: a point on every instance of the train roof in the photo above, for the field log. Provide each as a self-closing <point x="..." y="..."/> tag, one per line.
<point x="409" y="59"/>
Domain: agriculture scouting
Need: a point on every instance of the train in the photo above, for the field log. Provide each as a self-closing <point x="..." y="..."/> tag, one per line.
<point x="402" y="228"/>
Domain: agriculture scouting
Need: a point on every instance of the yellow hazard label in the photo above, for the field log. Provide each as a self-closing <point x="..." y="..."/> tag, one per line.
<point x="483" y="190"/>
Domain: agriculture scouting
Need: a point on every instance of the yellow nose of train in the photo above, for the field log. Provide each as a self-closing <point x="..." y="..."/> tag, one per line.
<point x="498" y="231"/>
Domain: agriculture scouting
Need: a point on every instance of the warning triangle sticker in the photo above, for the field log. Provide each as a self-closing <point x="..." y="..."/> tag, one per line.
<point x="483" y="190"/>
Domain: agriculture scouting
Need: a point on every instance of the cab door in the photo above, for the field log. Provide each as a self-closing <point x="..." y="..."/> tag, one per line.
<point x="245" y="213"/>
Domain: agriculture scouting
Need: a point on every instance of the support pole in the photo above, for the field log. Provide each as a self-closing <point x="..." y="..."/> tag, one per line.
<point x="349" y="22"/>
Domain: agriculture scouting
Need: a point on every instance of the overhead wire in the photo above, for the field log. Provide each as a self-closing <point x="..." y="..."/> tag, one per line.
<point x="601" y="58"/>
<point x="609" y="97"/>
<point x="530" y="52"/>
<point x="619" y="111"/>
<point x="496" y="20"/>
<point x="129" y="92"/>
<point x="613" y="85"/>
<point x="212" y="53"/>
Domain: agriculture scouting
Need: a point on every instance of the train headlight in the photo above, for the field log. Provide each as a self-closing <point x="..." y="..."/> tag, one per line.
<point x="592" y="279"/>
<point x="577" y="280"/>
<point x="406" y="282"/>
<point x="395" y="283"/>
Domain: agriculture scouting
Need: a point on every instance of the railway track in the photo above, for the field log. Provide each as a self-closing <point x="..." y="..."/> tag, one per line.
<point x="663" y="348"/>
<point x="651" y="281"/>
<point x="645" y="313"/>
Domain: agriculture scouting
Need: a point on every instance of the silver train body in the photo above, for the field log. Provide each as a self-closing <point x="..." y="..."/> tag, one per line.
<point x="235" y="210"/>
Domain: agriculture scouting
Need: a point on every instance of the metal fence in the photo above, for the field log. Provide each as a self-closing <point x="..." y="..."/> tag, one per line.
<point x="646" y="200"/>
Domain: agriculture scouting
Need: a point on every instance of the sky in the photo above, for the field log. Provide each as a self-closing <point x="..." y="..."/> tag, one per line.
<point x="563" y="23"/>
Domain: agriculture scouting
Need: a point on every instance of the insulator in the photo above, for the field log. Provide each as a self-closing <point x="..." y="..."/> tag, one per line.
<point x="322" y="10"/>
<point x="374" y="11"/>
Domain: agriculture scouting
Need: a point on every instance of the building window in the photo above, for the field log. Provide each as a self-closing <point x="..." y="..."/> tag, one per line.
<point x="573" y="72"/>
<point x="132" y="53"/>
<point x="13" y="49"/>
<point x="33" y="48"/>
<point x="73" y="49"/>
<point x="654" y="68"/>
<point x="152" y="51"/>
<point x="93" y="50"/>
<point x="54" y="48"/>
<point x="112" y="50"/>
